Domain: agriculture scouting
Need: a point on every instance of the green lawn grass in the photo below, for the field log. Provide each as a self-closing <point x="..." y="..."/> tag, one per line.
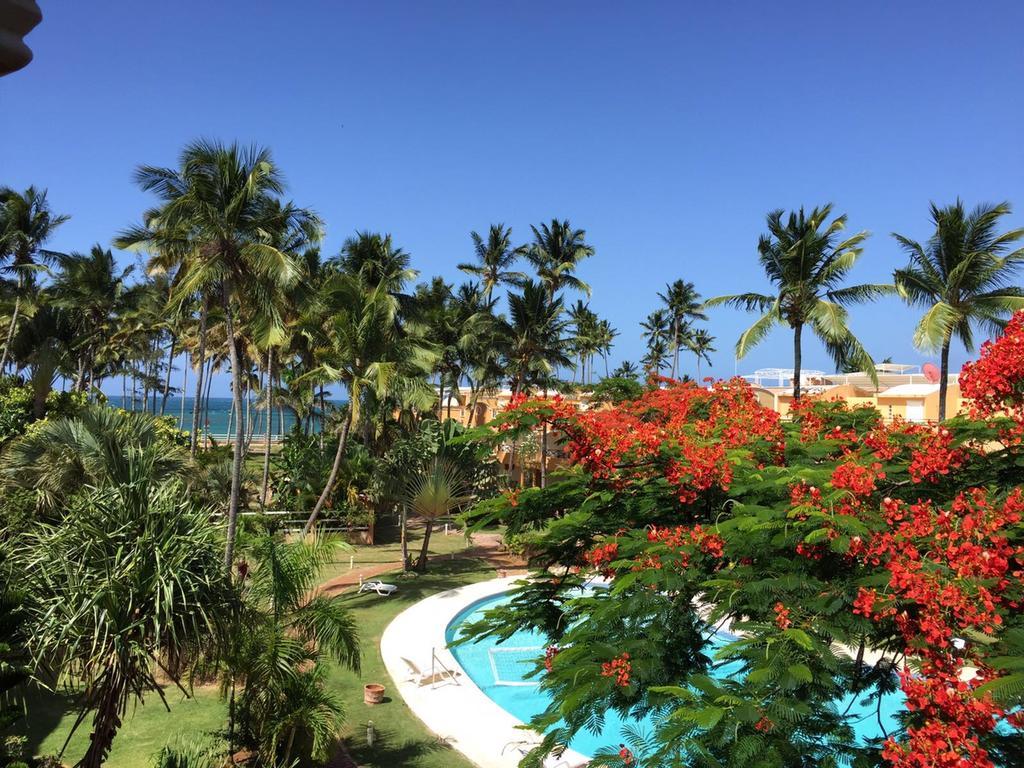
<point x="402" y="740"/>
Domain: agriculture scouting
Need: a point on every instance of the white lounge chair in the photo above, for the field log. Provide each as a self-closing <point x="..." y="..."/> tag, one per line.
<point x="378" y="586"/>
<point x="421" y="678"/>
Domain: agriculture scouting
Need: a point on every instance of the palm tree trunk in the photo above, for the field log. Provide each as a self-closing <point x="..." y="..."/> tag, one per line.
<point x="167" y="378"/>
<point x="197" y="401"/>
<point x="13" y="324"/>
<point x="266" y="442"/>
<point x="440" y="396"/>
<point x="944" y="374"/>
<point x="675" y="348"/>
<point x="404" y="538"/>
<point x="797" y="330"/>
<point x="236" y="454"/>
<point x="342" y="444"/>
<point x="699" y="379"/>
<point x="323" y="418"/>
<point x="421" y="564"/>
<point x="105" y="724"/>
<point x="473" y="400"/>
<point x="206" y="402"/>
<point x="184" y="387"/>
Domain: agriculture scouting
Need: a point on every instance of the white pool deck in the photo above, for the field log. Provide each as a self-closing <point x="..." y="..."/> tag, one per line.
<point x="462" y="715"/>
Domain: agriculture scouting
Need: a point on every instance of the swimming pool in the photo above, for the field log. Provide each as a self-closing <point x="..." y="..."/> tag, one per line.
<point x="500" y="671"/>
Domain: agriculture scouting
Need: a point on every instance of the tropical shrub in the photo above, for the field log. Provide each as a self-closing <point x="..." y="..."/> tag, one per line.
<point x="17" y="406"/>
<point x="55" y="458"/>
<point x="850" y="557"/>
<point x="274" y="671"/>
<point x="130" y="584"/>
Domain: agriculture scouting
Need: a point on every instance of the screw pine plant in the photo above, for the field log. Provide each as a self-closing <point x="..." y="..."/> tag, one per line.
<point x="854" y="562"/>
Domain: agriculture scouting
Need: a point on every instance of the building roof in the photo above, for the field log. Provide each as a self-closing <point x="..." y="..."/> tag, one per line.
<point x="909" y="390"/>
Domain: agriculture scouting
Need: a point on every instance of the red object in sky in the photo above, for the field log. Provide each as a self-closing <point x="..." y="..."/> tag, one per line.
<point x="931" y="372"/>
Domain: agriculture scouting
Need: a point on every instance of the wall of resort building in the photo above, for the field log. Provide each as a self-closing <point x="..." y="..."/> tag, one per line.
<point x="906" y="397"/>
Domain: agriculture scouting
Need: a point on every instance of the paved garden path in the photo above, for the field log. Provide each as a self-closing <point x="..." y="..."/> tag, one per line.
<point x="485" y="546"/>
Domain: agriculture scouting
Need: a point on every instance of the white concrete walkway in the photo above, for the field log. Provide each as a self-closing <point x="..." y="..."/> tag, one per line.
<point x="460" y="714"/>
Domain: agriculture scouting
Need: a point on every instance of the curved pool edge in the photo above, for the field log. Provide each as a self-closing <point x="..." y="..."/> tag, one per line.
<point x="462" y="715"/>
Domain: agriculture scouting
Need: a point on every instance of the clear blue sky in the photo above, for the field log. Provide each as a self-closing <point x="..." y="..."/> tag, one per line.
<point x="666" y="130"/>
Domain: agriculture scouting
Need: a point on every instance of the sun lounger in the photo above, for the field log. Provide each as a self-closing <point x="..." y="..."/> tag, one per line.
<point x="378" y="586"/>
<point x="422" y="678"/>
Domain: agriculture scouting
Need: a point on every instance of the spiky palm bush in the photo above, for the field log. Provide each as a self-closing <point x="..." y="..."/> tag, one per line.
<point x="129" y="585"/>
<point x="274" y="672"/>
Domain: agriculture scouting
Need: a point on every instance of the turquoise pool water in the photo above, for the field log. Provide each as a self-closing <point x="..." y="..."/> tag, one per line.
<point x="512" y="661"/>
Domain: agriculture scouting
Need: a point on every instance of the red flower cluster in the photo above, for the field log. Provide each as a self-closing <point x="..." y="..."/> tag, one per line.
<point x="601" y="557"/>
<point x="549" y="656"/>
<point x="682" y="539"/>
<point x="995" y="381"/>
<point x="621" y="668"/>
<point x="857" y="478"/>
<point x="954" y="715"/>
<point x="782" y="620"/>
<point x="935" y="457"/>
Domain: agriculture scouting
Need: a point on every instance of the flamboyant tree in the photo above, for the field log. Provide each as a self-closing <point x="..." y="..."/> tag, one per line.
<point x="855" y="563"/>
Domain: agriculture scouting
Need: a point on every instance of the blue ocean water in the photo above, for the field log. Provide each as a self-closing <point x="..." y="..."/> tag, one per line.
<point x="517" y="656"/>
<point x="219" y="415"/>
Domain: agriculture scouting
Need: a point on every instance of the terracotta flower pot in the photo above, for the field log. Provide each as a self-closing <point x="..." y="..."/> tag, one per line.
<point x="373" y="693"/>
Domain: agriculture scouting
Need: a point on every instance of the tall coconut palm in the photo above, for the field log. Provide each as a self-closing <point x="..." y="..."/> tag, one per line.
<point x="605" y="340"/>
<point x="495" y="258"/>
<point x="627" y="370"/>
<point x="807" y="263"/>
<point x="536" y="347"/>
<point x="220" y="217"/>
<point x="700" y="342"/>
<point x="26" y="224"/>
<point x="92" y="288"/>
<point x="682" y="302"/>
<point x="964" y="275"/>
<point x="555" y="253"/>
<point x="656" y="331"/>
<point x="362" y="346"/>
<point x="376" y="258"/>
<point x="127" y="588"/>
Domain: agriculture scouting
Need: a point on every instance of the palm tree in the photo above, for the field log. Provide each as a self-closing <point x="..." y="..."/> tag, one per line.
<point x="605" y="340"/>
<point x="92" y="289"/>
<point x="26" y="223"/>
<point x="495" y="258"/>
<point x="656" y="332"/>
<point x="436" y="490"/>
<point x="285" y="629"/>
<point x="584" y="341"/>
<point x="963" y="275"/>
<point x="362" y="346"/>
<point x="682" y="302"/>
<point x="221" y="219"/>
<point x="126" y="587"/>
<point x="627" y="370"/>
<point x="700" y="343"/>
<point x="807" y="263"/>
<point x="536" y="347"/>
<point x="376" y="258"/>
<point x="555" y="253"/>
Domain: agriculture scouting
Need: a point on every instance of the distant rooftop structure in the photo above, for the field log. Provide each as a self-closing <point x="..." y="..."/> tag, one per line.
<point x="781" y="377"/>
